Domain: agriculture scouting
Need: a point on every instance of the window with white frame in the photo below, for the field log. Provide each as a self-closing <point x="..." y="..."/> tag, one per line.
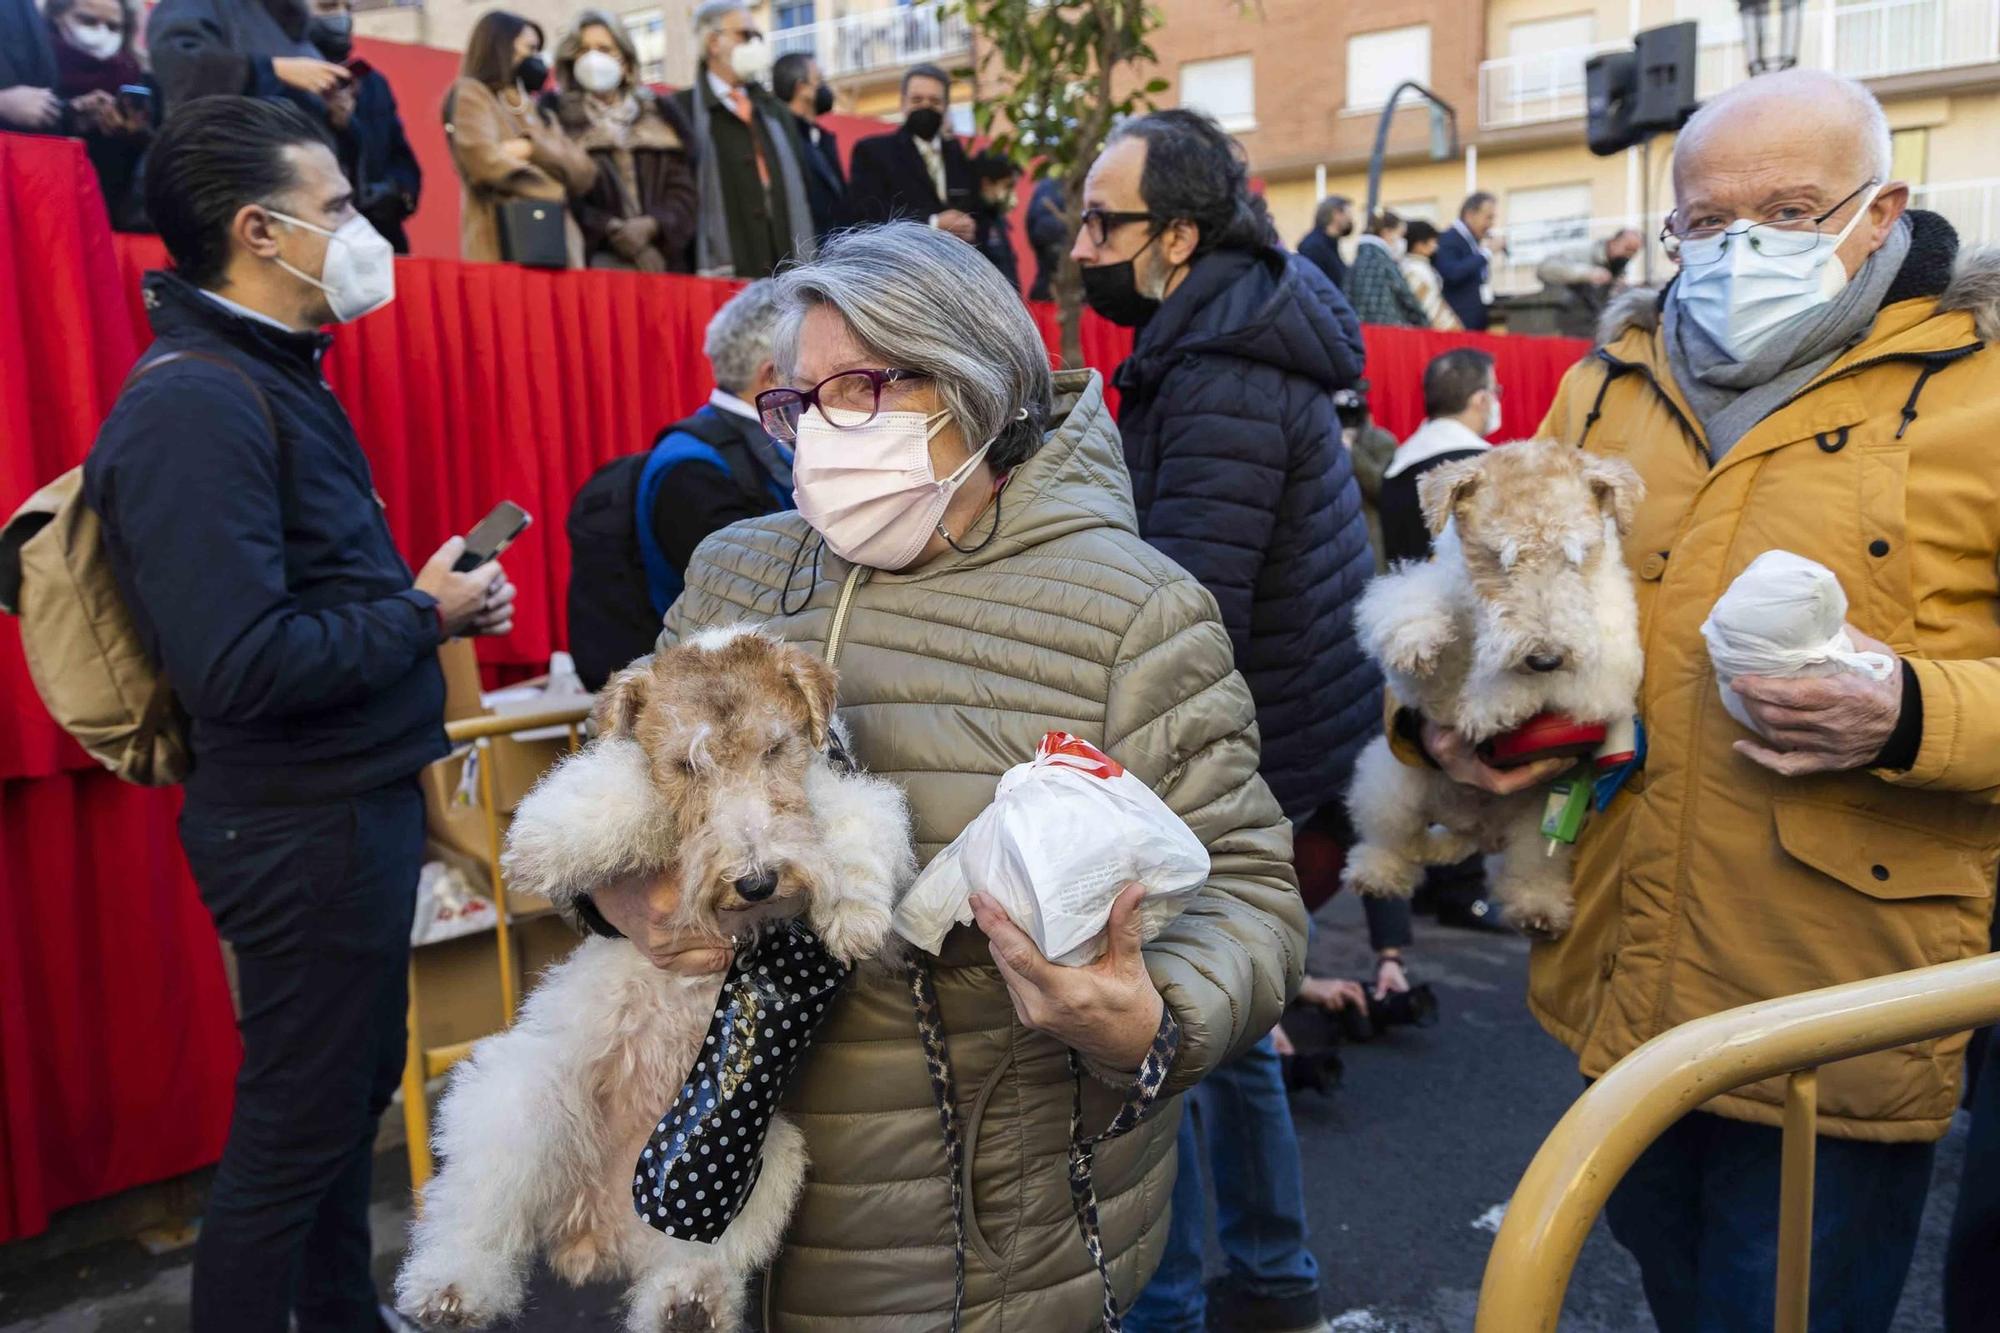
<point x="1548" y="54"/>
<point x="1720" y="20"/>
<point x="1225" y="88"/>
<point x="1378" y="61"/>
<point x="648" y="30"/>
<point x="1545" y="220"/>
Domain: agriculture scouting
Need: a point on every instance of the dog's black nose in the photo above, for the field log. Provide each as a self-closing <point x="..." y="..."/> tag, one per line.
<point x="755" y="888"/>
<point x="1545" y="661"/>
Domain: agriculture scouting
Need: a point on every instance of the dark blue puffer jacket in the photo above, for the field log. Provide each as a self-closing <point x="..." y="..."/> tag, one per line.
<point x="1239" y="475"/>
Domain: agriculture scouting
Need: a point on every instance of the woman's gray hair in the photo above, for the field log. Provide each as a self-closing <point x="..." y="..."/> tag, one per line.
<point x="921" y="300"/>
<point x="739" y="336"/>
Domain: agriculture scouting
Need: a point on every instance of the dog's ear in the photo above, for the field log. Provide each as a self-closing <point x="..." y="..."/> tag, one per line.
<point x="1443" y="489"/>
<point x="1617" y="486"/>
<point x="817" y="685"/>
<point x="623" y="699"/>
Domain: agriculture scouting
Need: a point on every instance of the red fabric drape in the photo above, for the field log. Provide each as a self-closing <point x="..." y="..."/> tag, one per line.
<point x="481" y="382"/>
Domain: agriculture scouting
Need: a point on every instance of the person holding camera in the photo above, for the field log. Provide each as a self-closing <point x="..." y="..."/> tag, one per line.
<point x="247" y="540"/>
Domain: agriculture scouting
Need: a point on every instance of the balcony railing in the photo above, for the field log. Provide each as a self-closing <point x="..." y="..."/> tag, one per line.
<point x="1875" y="40"/>
<point x="883" y="39"/>
<point x="1533" y="89"/>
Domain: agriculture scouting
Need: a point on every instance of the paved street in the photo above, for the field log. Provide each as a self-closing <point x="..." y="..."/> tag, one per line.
<point x="1406" y="1166"/>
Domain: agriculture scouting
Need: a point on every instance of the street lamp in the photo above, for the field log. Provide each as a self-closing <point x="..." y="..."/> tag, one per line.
<point x="1444" y="134"/>
<point x="1768" y="51"/>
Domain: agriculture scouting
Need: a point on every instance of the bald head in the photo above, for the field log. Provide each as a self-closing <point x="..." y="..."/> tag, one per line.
<point x="1790" y="145"/>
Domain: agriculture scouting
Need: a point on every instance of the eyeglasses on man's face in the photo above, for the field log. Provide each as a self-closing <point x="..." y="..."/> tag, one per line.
<point x="847" y="400"/>
<point x="1099" y="223"/>
<point x="1791" y="230"/>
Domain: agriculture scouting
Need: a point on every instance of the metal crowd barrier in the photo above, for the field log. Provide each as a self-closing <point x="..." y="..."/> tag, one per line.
<point x="1620" y="1115"/>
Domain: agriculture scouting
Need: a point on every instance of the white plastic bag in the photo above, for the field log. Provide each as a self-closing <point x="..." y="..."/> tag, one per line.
<point x="1784" y="616"/>
<point x="1066" y="831"/>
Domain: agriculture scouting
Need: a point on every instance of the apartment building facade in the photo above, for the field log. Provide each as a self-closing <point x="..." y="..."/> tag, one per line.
<point x="1302" y="84"/>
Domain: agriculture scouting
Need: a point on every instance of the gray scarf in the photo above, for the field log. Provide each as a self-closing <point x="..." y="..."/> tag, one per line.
<point x="712" y="257"/>
<point x="1730" y="396"/>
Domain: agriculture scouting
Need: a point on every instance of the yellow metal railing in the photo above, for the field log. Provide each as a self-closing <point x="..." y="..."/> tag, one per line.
<point x="423" y="1063"/>
<point x="1621" y="1114"/>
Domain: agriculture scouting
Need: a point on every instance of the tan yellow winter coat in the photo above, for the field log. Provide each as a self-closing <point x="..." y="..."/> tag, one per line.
<point x="949" y="675"/>
<point x="1711" y="882"/>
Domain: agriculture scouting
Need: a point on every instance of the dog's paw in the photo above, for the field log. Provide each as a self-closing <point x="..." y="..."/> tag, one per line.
<point x="474" y="1294"/>
<point x="1416" y="646"/>
<point x="1543" y="916"/>
<point x="854" y="929"/>
<point x="1380" y="873"/>
<point x="447" y="1308"/>
<point x="692" y="1315"/>
<point x="699" y="1298"/>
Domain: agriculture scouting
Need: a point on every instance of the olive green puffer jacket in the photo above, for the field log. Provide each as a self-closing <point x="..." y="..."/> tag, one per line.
<point x="949" y="675"/>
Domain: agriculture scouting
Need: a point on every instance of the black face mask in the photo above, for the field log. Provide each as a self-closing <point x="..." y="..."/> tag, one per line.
<point x="1112" y="290"/>
<point x="532" y="73"/>
<point x="1346" y="229"/>
<point x="1616" y="267"/>
<point x="924" y="122"/>
<point x="333" y="34"/>
<point x="823" y="100"/>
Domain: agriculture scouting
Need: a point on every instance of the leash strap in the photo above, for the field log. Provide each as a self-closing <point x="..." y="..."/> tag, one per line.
<point x="1141" y="1098"/>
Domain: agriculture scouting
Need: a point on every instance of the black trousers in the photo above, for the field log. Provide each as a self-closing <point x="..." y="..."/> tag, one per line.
<point x="317" y="902"/>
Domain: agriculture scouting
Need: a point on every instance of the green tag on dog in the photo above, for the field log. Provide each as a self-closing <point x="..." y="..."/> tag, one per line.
<point x="1562" y="817"/>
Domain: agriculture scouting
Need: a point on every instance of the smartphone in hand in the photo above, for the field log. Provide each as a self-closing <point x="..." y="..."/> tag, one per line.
<point x="494" y="534"/>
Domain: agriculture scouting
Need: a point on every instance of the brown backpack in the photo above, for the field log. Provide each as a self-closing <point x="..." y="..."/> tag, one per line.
<point x="83" y="652"/>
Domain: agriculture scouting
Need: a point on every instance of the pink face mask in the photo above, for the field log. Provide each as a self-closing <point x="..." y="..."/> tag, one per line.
<point x="870" y="491"/>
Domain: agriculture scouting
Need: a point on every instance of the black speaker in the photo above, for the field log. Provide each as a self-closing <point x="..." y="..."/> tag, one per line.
<point x="1666" y="59"/>
<point x="1610" y="82"/>
<point x="1648" y="90"/>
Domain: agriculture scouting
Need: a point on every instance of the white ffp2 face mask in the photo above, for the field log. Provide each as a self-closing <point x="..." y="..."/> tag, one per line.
<point x="1746" y="298"/>
<point x="870" y="491"/>
<point x="1492" y="416"/>
<point x="599" y="71"/>
<point x="94" y="39"/>
<point x="359" y="275"/>
<point x="751" y="60"/>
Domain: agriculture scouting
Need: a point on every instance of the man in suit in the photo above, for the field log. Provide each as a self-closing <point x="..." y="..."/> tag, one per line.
<point x="1462" y="261"/>
<point x="796" y="81"/>
<point x="919" y="172"/>
<point x="755" y="208"/>
<point x="1332" y="220"/>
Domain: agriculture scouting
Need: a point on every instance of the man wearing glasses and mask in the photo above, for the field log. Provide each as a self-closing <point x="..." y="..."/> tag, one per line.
<point x="1816" y="379"/>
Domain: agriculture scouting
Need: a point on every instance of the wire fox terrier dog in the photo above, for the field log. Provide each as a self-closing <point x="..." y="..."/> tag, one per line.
<point x="711" y="764"/>
<point x="1525" y="608"/>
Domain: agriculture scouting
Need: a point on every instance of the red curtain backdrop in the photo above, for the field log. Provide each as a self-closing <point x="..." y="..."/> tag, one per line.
<point x="481" y="382"/>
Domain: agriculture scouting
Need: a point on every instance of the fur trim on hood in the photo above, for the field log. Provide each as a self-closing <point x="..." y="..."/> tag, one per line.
<point x="1973" y="286"/>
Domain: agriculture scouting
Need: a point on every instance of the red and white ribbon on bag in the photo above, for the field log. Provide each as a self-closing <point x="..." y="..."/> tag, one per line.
<point x="1059" y="747"/>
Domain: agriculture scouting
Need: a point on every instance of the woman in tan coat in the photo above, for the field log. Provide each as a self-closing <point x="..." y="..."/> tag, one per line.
<point x="503" y="146"/>
<point x="1003" y="594"/>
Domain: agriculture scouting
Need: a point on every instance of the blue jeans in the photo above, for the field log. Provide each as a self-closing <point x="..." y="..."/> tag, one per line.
<point x="1699" y="1211"/>
<point x="1972" y="1258"/>
<point x="1260" y="1205"/>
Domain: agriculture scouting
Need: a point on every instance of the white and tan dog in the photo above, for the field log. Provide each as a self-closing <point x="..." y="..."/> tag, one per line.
<point x="1525" y="607"/>
<point x="711" y="762"/>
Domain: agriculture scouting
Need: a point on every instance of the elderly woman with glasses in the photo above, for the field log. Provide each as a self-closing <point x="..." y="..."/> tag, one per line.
<point x="965" y="553"/>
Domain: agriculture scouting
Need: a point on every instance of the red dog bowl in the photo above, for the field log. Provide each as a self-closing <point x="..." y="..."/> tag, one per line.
<point x="1543" y="736"/>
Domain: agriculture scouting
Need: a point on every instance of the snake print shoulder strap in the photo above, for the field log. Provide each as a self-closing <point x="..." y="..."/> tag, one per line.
<point x="1140" y="1100"/>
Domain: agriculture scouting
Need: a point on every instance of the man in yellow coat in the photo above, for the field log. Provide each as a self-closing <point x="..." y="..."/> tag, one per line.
<point x="1817" y="379"/>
